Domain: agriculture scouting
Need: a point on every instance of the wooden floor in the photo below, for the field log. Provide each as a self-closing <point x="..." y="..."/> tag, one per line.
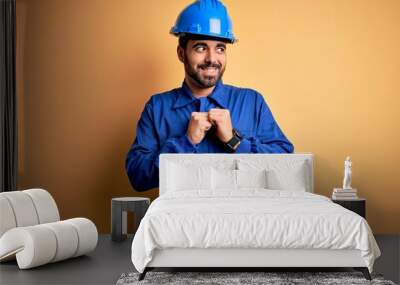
<point x="111" y="259"/>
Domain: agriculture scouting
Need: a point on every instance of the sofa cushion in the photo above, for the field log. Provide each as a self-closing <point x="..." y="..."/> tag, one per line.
<point x="7" y="218"/>
<point x="40" y="244"/>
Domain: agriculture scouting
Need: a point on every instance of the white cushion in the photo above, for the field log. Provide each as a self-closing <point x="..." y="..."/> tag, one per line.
<point x="67" y="240"/>
<point x="23" y="208"/>
<point x="254" y="161"/>
<point x="45" y="205"/>
<point x="251" y="178"/>
<point x="7" y="218"/>
<point x="41" y="244"/>
<point x="288" y="177"/>
<point x="224" y="179"/>
<point x="188" y="177"/>
<point x="231" y="180"/>
<point x="188" y="172"/>
<point x="87" y="233"/>
<point x="26" y="208"/>
<point x="281" y="174"/>
<point x="34" y="244"/>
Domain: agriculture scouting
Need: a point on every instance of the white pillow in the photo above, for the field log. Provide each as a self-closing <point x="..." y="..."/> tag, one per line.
<point x="183" y="177"/>
<point x="251" y="178"/>
<point x="223" y="179"/>
<point x="288" y="177"/>
<point x="228" y="179"/>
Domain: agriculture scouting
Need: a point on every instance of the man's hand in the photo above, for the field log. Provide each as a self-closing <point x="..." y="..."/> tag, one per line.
<point x="221" y="118"/>
<point x="198" y="126"/>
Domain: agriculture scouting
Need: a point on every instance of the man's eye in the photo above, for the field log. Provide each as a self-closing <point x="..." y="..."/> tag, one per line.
<point x="200" y="48"/>
<point x="221" y="50"/>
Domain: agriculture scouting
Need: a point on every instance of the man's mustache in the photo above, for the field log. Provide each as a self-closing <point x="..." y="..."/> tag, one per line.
<point x="214" y="65"/>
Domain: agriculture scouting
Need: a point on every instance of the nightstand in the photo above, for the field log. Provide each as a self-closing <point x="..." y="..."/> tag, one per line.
<point x="357" y="205"/>
<point x="119" y="208"/>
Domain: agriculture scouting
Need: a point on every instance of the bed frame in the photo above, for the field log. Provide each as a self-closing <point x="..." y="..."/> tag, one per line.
<point x="244" y="259"/>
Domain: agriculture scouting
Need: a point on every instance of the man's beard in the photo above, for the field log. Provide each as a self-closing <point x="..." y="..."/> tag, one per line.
<point x="204" y="81"/>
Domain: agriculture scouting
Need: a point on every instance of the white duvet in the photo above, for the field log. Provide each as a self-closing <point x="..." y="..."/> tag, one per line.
<point x="251" y="218"/>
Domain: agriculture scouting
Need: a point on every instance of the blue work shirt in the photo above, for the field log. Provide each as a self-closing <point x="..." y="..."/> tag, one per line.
<point x="163" y="125"/>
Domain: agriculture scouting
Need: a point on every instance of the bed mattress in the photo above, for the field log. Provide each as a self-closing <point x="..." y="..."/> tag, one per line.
<point x="250" y="219"/>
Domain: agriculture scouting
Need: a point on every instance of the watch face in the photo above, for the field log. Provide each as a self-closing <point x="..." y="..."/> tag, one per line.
<point x="233" y="142"/>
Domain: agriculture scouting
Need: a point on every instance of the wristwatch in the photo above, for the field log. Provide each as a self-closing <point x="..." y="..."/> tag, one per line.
<point x="234" y="142"/>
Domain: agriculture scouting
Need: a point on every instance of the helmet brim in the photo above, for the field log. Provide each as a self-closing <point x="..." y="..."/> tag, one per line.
<point x="194" y="36"/>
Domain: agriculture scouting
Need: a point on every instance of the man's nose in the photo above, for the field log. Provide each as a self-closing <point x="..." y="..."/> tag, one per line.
<point x="210" y="56"/>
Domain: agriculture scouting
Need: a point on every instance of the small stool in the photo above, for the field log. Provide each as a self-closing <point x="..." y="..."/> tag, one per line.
<point x="119" y="207"/>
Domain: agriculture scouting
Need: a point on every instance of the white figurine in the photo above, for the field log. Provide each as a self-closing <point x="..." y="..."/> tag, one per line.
<point x="347" y="174"/>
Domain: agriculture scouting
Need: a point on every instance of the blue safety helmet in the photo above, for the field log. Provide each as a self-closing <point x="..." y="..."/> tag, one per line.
<point x="207" y="18"/>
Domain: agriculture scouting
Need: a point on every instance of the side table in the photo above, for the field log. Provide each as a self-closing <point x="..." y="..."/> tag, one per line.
<point x="119" y="208"/>
<point x="357" y="205"/>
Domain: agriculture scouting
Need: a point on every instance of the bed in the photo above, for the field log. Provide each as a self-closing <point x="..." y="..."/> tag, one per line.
<point x="244" y="211"/>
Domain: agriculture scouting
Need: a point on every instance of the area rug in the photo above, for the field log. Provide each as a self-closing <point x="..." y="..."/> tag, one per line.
<point x="244" y="278"/>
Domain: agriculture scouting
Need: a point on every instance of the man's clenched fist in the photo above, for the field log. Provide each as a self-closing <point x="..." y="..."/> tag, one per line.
<point x="221" y="118"/>
<point x="199" y="124"/>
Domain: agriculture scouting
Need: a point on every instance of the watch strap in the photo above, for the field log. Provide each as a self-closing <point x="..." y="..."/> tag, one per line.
<point x="234" y="142"/>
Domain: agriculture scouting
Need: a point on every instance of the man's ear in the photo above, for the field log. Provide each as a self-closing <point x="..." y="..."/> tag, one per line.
<point x="181" y="53"/>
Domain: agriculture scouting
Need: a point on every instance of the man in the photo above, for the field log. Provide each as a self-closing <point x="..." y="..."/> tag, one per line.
<point x="204" y="115"/>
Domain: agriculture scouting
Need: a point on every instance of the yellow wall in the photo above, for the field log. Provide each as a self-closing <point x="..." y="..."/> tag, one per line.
<point x="328" y="69"/>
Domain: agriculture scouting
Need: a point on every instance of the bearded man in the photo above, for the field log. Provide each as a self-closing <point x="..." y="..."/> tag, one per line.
<point x="203" y="115"/>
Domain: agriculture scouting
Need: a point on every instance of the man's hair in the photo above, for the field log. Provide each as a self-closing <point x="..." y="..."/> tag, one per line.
<point x="183" y="40"/>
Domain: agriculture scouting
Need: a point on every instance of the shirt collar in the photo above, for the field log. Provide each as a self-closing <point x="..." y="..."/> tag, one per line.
<point x="185" y="96"/>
